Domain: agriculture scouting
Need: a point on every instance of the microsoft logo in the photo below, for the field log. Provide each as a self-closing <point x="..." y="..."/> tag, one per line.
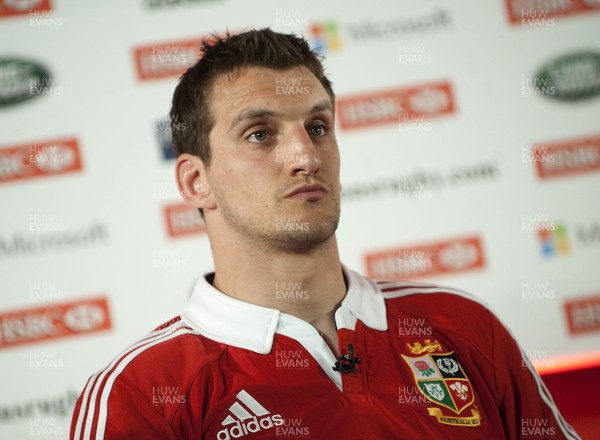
<point x="325" y="36"/>
<point x="554" y="239"/>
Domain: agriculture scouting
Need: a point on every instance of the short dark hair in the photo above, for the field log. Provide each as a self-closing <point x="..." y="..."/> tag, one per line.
<point x="191" y="108"/>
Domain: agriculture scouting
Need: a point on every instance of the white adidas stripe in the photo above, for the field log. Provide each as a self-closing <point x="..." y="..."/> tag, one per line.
<point x="415" y="289"/>
<point x="542" y="390"/>
<point x="240" y="412"/>
<point x="96" y="381"/>
<point x="384" y="284"/>
<point x="547" y="398"/>
<point x="103" y="407"/>
<point x="251" y="403"/>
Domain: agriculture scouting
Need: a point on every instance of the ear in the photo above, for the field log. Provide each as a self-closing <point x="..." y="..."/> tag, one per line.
<point x="192" y="181"/>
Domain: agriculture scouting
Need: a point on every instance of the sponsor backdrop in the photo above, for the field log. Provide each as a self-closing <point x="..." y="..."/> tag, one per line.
<point x="469" y="138"/>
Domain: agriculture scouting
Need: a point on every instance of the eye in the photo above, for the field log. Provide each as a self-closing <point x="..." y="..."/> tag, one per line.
<point x="318" y="130"/>
<point x="258" y="136"/>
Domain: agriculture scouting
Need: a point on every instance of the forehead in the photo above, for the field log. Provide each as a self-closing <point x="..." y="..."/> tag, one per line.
<point x="279" y="89"/>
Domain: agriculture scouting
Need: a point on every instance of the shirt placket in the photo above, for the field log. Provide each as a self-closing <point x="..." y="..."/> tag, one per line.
<point x="353" y="369"/>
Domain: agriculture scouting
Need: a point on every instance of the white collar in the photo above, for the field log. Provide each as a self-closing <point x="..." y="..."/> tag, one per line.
<point x="241" y="324"/>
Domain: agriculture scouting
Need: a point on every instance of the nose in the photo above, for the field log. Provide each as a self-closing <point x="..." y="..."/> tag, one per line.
<point x="299" y="153"/>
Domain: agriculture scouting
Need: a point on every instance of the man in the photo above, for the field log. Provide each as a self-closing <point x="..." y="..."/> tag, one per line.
<point x="282" y="341"/>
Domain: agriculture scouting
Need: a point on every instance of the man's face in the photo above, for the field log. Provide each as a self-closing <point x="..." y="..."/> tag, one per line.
<point x="274" y="136"/>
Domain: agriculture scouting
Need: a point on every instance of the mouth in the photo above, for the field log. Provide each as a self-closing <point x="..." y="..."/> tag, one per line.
<point x="309" y="193"/>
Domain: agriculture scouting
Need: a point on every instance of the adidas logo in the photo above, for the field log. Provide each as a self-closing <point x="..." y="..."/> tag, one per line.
<point x="250" y="417"/>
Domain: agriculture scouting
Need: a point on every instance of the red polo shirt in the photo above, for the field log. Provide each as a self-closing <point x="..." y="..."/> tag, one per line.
<point x="426" y="363"/>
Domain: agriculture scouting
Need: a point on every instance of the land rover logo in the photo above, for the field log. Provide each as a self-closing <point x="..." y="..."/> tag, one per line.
<point x="16" y="77"/>
<point x="574" y="77"/>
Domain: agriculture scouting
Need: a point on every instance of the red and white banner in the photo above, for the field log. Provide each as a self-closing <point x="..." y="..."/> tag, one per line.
<point x="53" y="321"/>
<point x="395" y="106"/>
<point x="39" y="159"/>
<point x="182" y="219"/>
<point x="538" y="12"/>
<point x="567" y="157"/>
<point x="583" y="315"/>
<point x="425" y="260"/>
<point x="10" y="8"/>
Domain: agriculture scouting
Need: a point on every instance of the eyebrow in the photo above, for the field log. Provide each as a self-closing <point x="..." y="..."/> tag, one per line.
<point x="321" y="106"/>
<point x="261" y="113"/>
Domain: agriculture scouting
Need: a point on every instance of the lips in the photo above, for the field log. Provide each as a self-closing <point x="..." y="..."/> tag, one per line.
<point x="308" y="192"/>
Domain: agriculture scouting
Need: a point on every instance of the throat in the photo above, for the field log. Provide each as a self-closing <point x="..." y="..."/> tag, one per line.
<point x="330" y="336"/>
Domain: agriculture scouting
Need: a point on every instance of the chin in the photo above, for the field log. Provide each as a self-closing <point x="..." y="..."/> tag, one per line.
<point x="305" y="236"/>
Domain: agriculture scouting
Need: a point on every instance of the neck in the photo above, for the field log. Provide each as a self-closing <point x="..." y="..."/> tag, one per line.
<point x="309" y="286"/>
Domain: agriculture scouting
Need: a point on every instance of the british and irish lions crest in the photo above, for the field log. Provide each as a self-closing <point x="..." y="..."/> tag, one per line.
<point x="442" y="381"/>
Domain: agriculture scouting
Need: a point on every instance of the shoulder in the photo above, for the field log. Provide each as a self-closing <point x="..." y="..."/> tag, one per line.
<point x="439" y="305"/>
<point x="162" y="355"/>
<point x="411" y="291"/>
<point x="148" y="378"/>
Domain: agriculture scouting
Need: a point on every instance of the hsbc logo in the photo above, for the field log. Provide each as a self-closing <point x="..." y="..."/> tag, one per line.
<point x="247" y="417"/>
<point x="84" y="317"/>
<point x="526" y="12"/>
<point x="9" y="8"/>
<point x="583" y="315"/>
<point x="40" y="159"/>
<point x="393" y="105"/>
<point x="54" y="321"/>
<point x="165" y="60"/>
<point x="182" y="219"/>
<point x="168" y="59"/>
<point x="569" y="157"/>
<point x="444" y="257"/>
<point x="459" y="255"/>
